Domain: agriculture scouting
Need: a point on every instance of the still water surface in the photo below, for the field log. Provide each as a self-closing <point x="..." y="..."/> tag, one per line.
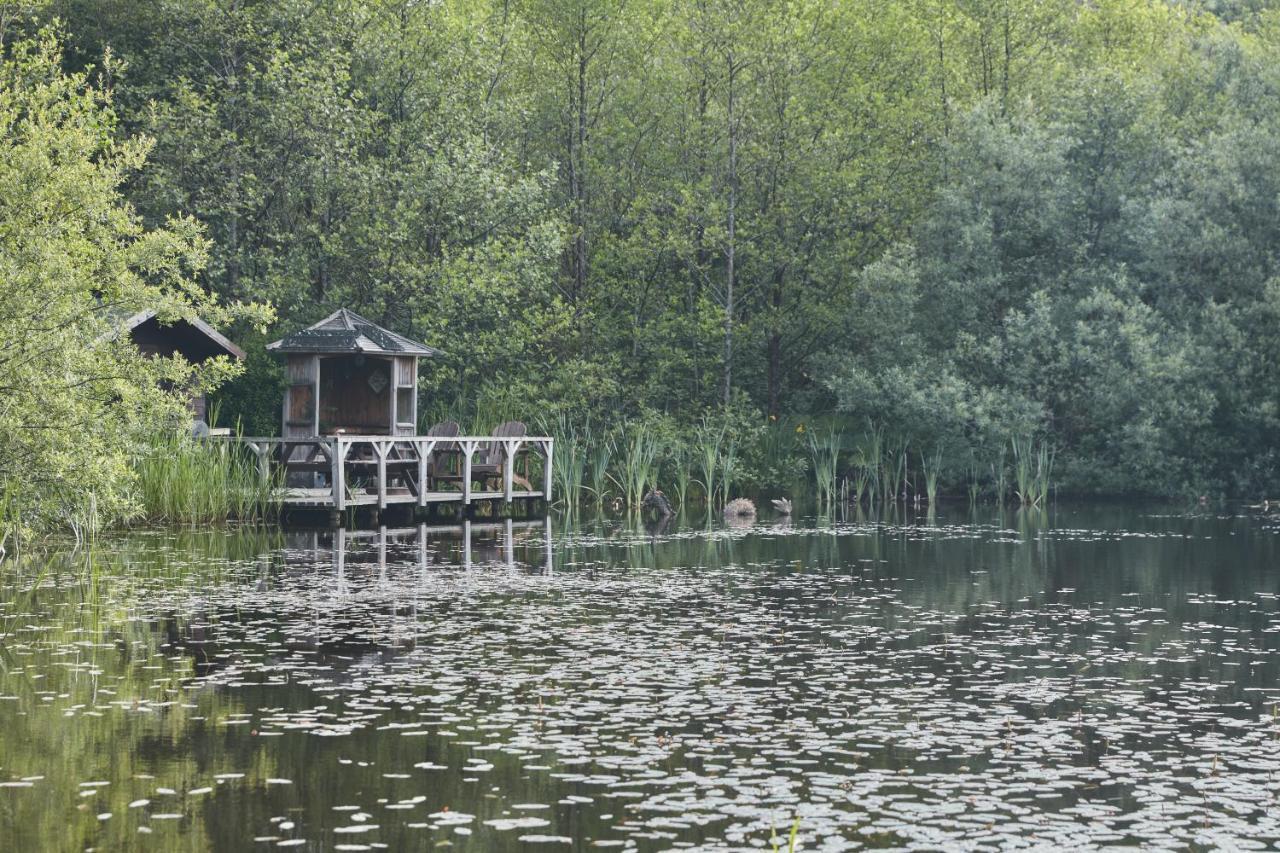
<point x="1087" y="677"/>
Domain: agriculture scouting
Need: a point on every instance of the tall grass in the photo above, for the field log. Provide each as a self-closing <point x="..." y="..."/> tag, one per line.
<point x="1000" y="474"/>
<point x="180" y="478"/>
<point x="680" y="458"/>
<point x="638" y="468"/>
<point x="930" y="467"/>
<point x="598" y="460"/>
<point x="1032" y="468"/>
<point x="824" y="450"/>
<point x="895" y="470"/>
<point x="569" y="462"/>
<point x="708" y="452"/>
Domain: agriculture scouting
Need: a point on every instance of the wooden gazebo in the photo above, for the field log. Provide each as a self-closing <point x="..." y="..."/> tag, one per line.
<point x="348" y="375"/>
<point x="349" y="432"/>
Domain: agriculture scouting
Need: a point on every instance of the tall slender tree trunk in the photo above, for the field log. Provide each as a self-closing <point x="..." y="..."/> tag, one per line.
<point x="577" y="165"/>
<point x="775" y="346"/>
<point x="731" y="235"/>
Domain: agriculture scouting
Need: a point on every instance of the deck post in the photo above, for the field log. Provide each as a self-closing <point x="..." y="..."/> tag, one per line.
<point x="425" y="449"/>
<point x="468" y="450"/>
<point x="336" y="461"/>
<point x="510" y="448"/>
<point x="264" y="460"/>
<point x="547" y="449"/>
<point x="381" y="453"/>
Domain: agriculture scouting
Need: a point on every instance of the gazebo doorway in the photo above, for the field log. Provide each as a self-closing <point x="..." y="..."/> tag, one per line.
<point x="356" y="395"/>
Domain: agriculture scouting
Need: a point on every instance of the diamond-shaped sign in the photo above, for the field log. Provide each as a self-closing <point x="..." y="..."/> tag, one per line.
<point x="377" y="381"/>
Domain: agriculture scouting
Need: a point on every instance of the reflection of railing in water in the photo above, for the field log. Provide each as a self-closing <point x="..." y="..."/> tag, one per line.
<point x="402" y="469"/>
<point x="423" y="534"/>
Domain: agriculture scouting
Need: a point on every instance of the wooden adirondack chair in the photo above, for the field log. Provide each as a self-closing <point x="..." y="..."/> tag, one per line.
<point x="444" y="459"/>
<point x="486" y="467"/>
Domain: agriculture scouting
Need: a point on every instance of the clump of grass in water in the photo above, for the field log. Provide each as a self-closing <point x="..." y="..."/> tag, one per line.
<point x="708" y="453"/>
<point x="180" y="478"/>
<point x="602" y="449"/>
<point x="894" y="470"/>
<point x="999" y="474"/>
<point x="824" y="450"/>
<point x="1032" y="468"/>
<point x="930" y="467"/>
<point x="638" y="471"/>
<point x="679" y="457"/>
<point x="569" y="462"/>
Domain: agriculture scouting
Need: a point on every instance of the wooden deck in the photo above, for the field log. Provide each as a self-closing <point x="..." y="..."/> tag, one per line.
<point x="345" y="471"/>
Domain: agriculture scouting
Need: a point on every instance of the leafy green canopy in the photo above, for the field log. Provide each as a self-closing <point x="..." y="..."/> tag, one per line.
<point x="75" y="260"/>
<point x="962" y="221"/>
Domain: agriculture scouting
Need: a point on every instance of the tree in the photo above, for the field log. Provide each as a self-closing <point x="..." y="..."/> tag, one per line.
<point x="75" y="395"/>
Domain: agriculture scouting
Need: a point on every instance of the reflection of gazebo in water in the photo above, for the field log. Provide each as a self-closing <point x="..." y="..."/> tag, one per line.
<point x="348" y="375"/>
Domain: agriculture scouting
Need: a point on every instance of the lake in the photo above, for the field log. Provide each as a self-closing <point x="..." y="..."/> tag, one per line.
<point x="1088" y="676"/>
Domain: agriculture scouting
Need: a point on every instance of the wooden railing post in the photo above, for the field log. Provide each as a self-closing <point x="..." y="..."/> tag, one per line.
<point x="426" y="447"/>
<point x="336" y="478"/>
<point x="468" y="450"/>
<point x="381" y="452"/>
<point x="510" y="447"/>
<point x="548" y="447"/>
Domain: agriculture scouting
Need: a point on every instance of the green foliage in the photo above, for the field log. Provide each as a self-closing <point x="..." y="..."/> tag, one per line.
<point x="964" y="223"/>
<point x="181" y="479"/>
<point x="75" y="260"/>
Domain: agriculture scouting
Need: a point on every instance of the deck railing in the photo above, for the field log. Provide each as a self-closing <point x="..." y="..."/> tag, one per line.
<point x="415" y="462"/>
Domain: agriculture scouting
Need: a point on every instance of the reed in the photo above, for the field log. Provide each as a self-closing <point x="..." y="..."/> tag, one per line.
<point x="824" y="451"/>
<point x="930" y="467"/>
<point x="1000" y="474"/>
<point x="599" y="458"/>
<point x="872" y="464"/>
<point x="638" y="466"/>
<point x="894" y="470"/>
<point x="1032" y="469"/>
<point x="863" y="478"/>
<point x="569" y="462"/>
<point x="184" y="479"/>
<point x="729" y="468"/>
<point x="707" y="452"/>
<point x="973" y="480"/>
<point x="681" y="461"/>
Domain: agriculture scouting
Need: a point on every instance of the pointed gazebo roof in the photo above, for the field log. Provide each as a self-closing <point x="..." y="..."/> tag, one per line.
<point x="345" y="331"/>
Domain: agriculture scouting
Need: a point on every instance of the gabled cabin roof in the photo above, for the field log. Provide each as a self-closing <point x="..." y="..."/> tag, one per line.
<point x="345" y="331"/>
<point x="194" y="339"/>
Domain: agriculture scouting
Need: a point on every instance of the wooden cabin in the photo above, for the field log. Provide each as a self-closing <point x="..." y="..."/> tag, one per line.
<point x="349" y="376"/>
<point x="194" y="340"/>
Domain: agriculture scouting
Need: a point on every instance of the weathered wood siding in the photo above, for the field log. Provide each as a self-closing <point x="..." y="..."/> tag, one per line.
<point x="301" y="416"/>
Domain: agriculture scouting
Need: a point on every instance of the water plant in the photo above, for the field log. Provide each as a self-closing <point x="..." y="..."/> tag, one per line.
<point x="1032" y="468"/>
<point x="793" y="838"/>
<point x="598" y="460"/>
<point x="680" y="462"/>
<point x="707" y="452"/>
<point x="639" y="462"/>
<point x="569" y="462"/>
<point x="824" y="451"/>
<point x="894" y="468"/>
<point x="1000" y="474"/>
<point x="930" y="467"/>
<point x="186" y="479"/>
